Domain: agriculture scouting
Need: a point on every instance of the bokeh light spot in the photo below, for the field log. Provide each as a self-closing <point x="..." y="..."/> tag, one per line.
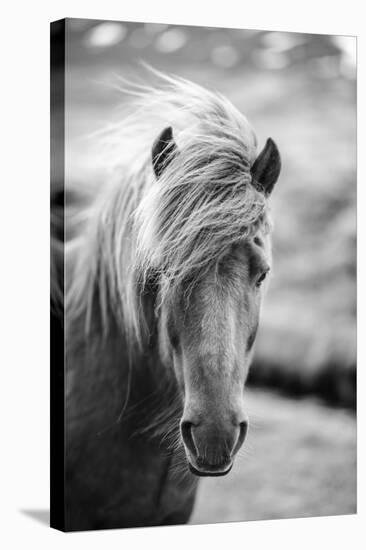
<point x="105" y="34"/>
<point x="171" y="41"/>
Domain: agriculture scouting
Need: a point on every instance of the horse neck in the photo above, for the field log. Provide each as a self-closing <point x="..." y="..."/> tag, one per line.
<point x="103" y="346"/>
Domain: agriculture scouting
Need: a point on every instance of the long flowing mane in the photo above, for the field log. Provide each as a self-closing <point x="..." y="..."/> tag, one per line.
<point x="138" y="227"/>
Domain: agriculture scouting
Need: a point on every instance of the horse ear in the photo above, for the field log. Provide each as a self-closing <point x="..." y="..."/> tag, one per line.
<point x="266" y="168"/>
<point x="163" y="151"/>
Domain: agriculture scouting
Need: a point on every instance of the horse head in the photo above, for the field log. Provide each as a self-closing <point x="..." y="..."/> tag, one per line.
<point x="208" y="317"/>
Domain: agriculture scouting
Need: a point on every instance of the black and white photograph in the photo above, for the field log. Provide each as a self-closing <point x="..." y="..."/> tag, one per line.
<point x="203" y="274"/>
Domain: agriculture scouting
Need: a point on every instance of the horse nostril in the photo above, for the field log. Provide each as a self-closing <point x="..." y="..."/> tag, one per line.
<point x="243" y="429"/>
<point x="186" y="429"/>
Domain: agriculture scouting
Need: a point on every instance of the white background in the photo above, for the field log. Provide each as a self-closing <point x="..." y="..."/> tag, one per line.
<point x="24" y="270"/>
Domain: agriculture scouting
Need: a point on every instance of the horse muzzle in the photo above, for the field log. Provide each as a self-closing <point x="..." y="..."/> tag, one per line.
<point x="210" y="449"/>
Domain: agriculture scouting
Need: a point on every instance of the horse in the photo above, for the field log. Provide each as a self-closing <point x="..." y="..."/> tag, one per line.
<point x="163" y="289"/>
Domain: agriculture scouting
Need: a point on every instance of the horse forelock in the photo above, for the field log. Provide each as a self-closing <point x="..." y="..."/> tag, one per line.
<point x="176" y="225"/>
<point x="212" y="204"/>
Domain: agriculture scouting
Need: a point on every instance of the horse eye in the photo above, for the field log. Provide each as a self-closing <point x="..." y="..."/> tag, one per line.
<point x="261" y="278"/>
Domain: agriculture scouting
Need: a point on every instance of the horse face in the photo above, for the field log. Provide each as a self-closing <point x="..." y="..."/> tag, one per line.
<point x="209" y="332"/>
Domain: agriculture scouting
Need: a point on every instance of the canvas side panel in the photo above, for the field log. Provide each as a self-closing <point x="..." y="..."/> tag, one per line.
<point x="57" y="458"/>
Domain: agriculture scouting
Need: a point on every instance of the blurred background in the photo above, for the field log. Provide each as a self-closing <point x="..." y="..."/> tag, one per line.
<point x="300" y="89"/>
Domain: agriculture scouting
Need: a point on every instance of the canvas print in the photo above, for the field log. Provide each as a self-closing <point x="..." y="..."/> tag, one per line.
<point x="203" y="274"/>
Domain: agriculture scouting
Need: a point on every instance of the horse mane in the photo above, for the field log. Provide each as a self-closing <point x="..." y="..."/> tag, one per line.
<point x="139" y="228"/>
